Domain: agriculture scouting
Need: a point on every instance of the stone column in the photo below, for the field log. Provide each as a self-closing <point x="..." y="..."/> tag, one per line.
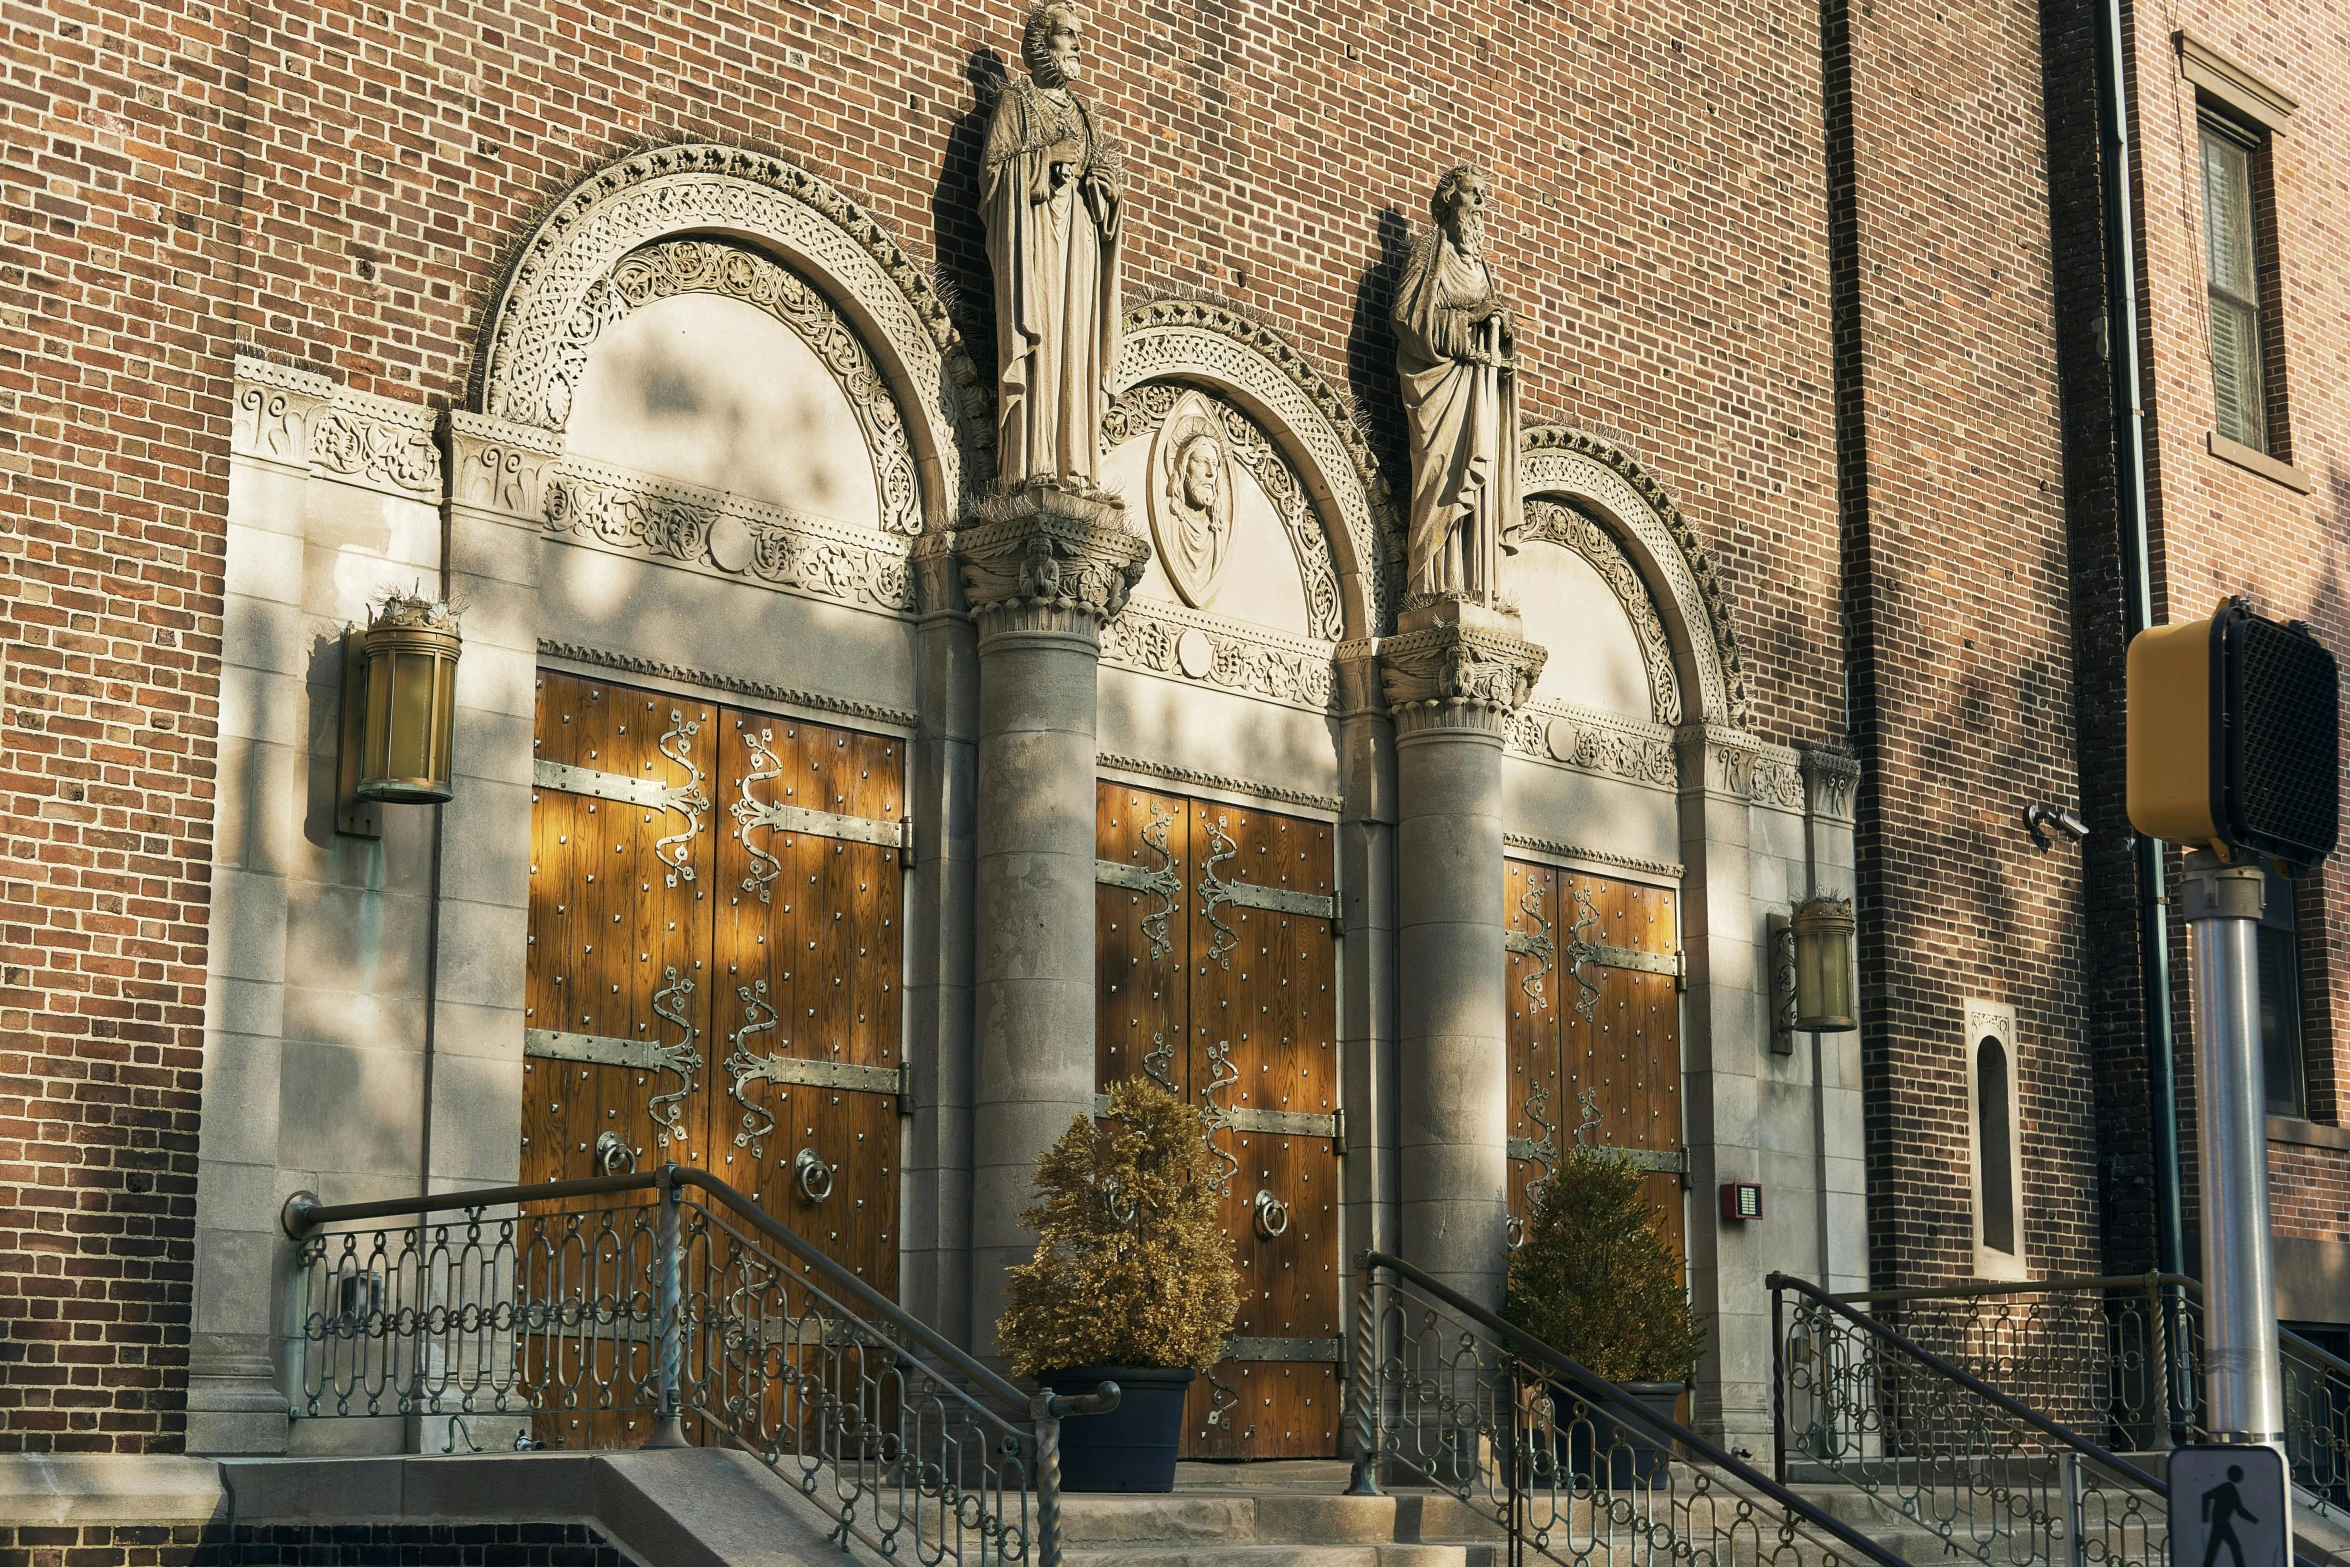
<point x="234" y="1402"/>
<point x="1043" y="568"/>
<point x="1366" y="970"/>
<point x="1453" y="674"/>
<point x="945" y="771"/>
<point x="1724" y="1038"/>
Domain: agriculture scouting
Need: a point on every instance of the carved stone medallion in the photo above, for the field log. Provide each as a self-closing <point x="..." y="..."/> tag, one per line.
<point x="1190" y="502"/>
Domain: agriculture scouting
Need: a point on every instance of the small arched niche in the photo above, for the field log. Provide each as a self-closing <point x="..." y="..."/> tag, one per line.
<point x="1581" y="599"/>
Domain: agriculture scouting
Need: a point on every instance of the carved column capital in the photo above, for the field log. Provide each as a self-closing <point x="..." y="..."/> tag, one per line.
<point x="1452" y="665"/>
<point x="1048" y="558"/>
<point x="938" y="581"/>
<point x="497" y="466"/>
<point x="1829" y="779"/>
<point x="272" y="407"/>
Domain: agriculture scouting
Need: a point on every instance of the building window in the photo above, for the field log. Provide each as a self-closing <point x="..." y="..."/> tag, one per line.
<point x="2233" y="264"/>
<point x="1995" y="1132"/>
<point x="2287" y="1080"/>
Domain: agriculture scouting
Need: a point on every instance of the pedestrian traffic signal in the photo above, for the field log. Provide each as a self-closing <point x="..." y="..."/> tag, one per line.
<point x="2234" y="737"/>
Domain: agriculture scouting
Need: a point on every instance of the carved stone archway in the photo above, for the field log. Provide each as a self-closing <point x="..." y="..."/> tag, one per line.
<point x="533" y="348"/>
<point x="1206" y="343"/>
<point x="1560" y="462"/>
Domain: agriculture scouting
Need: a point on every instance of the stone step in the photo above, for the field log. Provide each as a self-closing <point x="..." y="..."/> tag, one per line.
<point x="1287" y="1554"/>
<point x="1270" y="1518"/>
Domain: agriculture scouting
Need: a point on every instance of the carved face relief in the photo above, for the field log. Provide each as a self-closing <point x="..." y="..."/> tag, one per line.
<point x="1191" y="499"/>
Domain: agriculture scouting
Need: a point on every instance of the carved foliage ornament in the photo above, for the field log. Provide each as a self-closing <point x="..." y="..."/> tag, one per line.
<point x="699" y="527"/>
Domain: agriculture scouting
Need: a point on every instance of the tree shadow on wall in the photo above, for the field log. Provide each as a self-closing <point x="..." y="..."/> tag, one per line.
<point x="965" y="283"/>
<point x="1370" y="352"/>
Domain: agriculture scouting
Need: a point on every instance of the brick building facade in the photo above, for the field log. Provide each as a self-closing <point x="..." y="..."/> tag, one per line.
<point x="1825" y="281"/>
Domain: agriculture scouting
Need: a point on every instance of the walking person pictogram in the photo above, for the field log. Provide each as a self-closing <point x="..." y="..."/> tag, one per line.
<point x="2222" y="1506"/>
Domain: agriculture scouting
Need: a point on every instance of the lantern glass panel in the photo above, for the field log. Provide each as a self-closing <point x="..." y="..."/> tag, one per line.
<point x="1823" y="973"/>
<point x="412" y="715"/>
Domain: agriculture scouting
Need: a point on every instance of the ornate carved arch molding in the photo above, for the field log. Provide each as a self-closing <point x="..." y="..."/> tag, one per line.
<point x="1558" y="523"/>
<point x="1205" y="343"/>
<point x="533" y="349"/>
<point x="1561" y="462"/>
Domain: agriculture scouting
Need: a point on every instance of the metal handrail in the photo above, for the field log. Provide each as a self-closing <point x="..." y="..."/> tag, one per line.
<point x="1973" y="1384"/>
<point x="1590" y="1384"/>
<point x="1943" y="1367"/>
<point x="304" y="1218"/>
<point x="304" y="1213"/>
<point x="2192" y="1287"/>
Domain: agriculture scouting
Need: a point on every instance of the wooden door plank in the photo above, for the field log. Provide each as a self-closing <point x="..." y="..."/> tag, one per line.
<point x="1142" y="938"/>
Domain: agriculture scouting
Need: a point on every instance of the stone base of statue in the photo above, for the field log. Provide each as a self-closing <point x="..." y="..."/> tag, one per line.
<point x="1044" y="564"/>
<point x="1450" y="655"/>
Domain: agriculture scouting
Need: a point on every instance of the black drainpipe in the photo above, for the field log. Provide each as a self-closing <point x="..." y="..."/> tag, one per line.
<point x="2121" y="299"/>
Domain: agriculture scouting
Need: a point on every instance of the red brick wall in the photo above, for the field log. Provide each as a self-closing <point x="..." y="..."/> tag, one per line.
<point x="2219" y="530"/>
<point x="118" y="243"/>
<point x="340" y="186"/>
<point x="1959" y="595"/>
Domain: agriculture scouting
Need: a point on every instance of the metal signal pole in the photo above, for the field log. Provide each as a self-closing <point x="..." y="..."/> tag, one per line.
<point x="2243" y="1380"/>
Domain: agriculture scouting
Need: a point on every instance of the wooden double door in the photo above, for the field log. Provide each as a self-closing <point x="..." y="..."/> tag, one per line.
<point x="1594" y="977"/>
<point x="716" y="922"/>
<point x="1216" y="929"/>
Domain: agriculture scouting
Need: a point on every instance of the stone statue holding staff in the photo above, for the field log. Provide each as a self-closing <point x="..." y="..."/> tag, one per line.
<point x="1456" y="355"/>
<point x="1050" y="200"/>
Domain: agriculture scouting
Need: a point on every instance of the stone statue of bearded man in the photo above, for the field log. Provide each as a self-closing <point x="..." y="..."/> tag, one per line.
<point x="1051" y="203"/>
<point x="1456" y="355"/>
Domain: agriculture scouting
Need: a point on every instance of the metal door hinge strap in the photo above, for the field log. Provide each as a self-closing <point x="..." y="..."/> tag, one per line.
<point x="1277" y="1123"/>
<point x="1533" y="942"/>
<point x="644" y="1055"/>
<point x="1663" y="1161"/>
<point x="1280" y="900"/>
<point x="652" y="795"/>
<point x="1293" y="1349"/>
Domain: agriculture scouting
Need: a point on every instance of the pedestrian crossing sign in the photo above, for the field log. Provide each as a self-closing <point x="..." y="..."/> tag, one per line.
<point x="2229" y="1507"/>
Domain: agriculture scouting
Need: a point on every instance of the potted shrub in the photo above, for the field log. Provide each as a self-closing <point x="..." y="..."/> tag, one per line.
<point x="1133" y="1283"/>
<point x="1597" y="1281"/>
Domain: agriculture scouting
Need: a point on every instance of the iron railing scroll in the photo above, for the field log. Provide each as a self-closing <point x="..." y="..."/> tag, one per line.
<point x="1996" y="1480"/>
<point x="2118" y="1358"/>
<point x="1572" y="1468"/>
<point x="667" y="1298"/>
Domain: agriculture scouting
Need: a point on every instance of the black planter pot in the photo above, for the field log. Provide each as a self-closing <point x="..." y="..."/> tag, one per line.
<point x="1132" y="1448"/>
<point x="1613" y="1454"/>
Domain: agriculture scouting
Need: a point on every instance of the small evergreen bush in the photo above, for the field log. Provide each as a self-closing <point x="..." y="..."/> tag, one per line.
<point x="1596" y="1279"/>
<point x="1132" y="1267"/>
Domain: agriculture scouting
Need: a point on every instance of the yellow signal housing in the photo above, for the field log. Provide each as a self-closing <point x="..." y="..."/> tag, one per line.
<point x="2172" y="791"/>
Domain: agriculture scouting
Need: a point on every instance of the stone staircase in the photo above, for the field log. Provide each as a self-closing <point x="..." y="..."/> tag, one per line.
<point x="1295" y="1514"/>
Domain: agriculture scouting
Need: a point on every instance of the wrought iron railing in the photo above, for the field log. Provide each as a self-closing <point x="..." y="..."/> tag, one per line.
<point x="668" y="1299"/>
<point x="1994" y="1479"/>
<point x="2119" y="1359"/>
<point x="1570" y="1467"/>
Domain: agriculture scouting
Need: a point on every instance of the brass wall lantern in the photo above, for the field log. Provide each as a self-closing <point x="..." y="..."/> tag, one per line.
<point x="399" y="709"/>
<point x="1811" y="971"/>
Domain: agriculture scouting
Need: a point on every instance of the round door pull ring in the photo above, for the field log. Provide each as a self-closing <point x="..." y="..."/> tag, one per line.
<point x="815" y="1175"/>
<point x="1272" y="1215"/>
<point x="613" y="1155"/>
